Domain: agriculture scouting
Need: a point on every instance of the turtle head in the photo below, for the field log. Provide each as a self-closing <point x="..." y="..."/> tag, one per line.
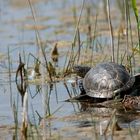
<point x="81" y="70"/>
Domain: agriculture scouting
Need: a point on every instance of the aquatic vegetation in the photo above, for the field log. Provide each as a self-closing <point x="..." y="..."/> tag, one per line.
<point x="51" y="37"/>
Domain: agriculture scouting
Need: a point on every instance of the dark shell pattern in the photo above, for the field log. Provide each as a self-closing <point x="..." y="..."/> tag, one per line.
<point x="106" y="80"/>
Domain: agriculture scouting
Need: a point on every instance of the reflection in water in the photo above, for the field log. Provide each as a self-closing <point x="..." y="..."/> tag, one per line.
<point x="60" y="28"/>
<point x="21" y="80"/>
<point x="103" y="115"/>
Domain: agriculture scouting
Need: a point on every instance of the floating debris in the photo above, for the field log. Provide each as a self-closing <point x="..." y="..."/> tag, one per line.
<point x="34" y="73"/>
<point x="131" y="102"/>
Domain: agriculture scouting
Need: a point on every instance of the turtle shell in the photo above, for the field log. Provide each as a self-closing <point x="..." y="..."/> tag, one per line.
<point x="106" y="80"/>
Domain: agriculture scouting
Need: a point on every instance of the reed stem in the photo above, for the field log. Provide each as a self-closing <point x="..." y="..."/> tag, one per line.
<point x="111" y="31"/>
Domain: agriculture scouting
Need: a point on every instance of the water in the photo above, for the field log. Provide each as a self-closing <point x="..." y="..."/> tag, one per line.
<point x="56" y="20"/>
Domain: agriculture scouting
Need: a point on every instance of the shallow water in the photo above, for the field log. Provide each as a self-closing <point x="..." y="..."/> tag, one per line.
<point x="17" y="34"/>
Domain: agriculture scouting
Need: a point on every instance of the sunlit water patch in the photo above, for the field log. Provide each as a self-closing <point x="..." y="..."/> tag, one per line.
<point x="55" y="24"/>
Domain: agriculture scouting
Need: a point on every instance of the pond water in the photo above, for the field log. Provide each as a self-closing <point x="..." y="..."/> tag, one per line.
<point x="55" y="23"/>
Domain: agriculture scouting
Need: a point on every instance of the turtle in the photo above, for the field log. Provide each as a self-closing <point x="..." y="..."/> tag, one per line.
<point x="107" y="80"/>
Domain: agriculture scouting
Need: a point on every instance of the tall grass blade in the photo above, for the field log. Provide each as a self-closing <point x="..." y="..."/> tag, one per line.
<point x="111" y="31"/>
<point x="134" y="6"/>
<point x="71" y="60"/>
<point x="10" y="80"/>
<point x="38" y="39"/>
<point x="135" y="9"/>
